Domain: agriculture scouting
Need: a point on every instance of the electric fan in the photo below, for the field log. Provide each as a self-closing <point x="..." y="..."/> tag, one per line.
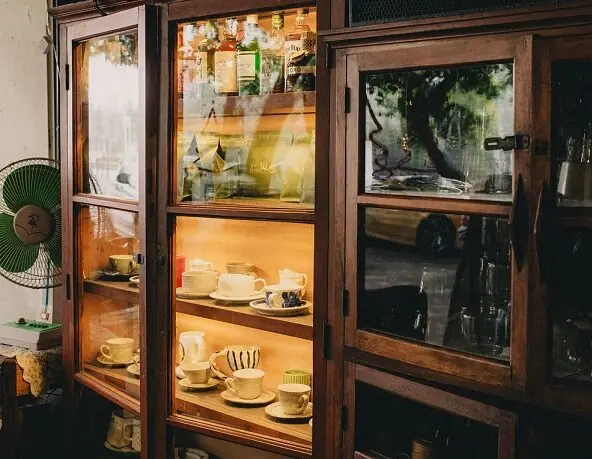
<point x="30" y="223"/>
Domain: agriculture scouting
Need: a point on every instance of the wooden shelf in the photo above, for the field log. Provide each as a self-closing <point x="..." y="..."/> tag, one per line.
<point x="104" y="382"/>
<point x="210" y="405"/>
<point x="298" y="327"/>
<point x="116" y="290"/>
<point x="272" y="104"/>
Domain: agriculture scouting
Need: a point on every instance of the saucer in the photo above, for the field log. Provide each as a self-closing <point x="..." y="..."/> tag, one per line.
<point x="134" y="369"/>
<point x="125" y="450"/>
<point x="110" y="363"/>
<point x="135" y="280"/>
<point x="182" y="292"/>
<point x="265" y="397"/>
<point x="261" y="307"/>
<point x="237" y="299"/>
<point x="185" y="383"/>
<point x="276" y="411"/>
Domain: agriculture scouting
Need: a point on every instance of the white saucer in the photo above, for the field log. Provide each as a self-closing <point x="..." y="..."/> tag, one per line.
<point x="276" y="411"/>
<point x="185" y="383"/>
<point x="182" y="292"/>
<point x="237" y="299"/>
<point x="134" y="369"/>
<point x="110" y="363"/>
<point x="135" y="280"/>
<point x="261" y="307"/>
<point x="126" y="449"/>
<point x="265" y="397"/>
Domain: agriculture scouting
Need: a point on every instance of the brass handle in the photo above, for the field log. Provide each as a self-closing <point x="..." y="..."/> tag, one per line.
<point x="519" y="223"/>
<point x="543" y="231"/>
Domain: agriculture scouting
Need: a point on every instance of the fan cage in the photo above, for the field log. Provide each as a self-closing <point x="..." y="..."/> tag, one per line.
<point x="366" y="12"/>
<point x="43" y="273"/>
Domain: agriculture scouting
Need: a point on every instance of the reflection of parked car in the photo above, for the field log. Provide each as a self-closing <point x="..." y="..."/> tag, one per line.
<point x="430" y="233"/>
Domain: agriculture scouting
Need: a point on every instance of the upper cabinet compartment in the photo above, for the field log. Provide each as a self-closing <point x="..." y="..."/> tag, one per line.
<point x="107" y="116"/>
<point x="425" y="131"/>
<point x="245" y="110"/>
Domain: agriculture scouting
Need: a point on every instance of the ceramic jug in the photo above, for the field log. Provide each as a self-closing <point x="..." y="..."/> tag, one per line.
<point x="289" y="277"/>
<point x="192" y="347"/>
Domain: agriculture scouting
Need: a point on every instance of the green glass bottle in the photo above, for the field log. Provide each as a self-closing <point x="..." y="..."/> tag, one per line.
<point x="249" y="58"/>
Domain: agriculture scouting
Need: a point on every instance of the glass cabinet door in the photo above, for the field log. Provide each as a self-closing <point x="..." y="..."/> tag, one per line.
<point x="107" y="187"/>
<point x="242" y="233"/>
<point x="433" y="200"/>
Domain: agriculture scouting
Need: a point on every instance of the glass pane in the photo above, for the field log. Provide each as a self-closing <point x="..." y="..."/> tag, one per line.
<point x="425" y="130"/>
<point x="570" y="308"/>
<point x="425" y="433"/>
<point x="244" y="303"/>
<point x="572" y="131"/>
<point x="245" y="126"/>
<point x="436" y="278"/>
<point x="107" y="115"/>
<point x="109" y="299"/>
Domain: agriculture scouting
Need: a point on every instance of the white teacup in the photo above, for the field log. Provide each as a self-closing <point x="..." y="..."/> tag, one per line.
<point x="247" y="383"/>
<point x="120" y="430"/>
<point x="294" y="397"/>
<point x="239" y="285"/>
<point x="283" y="296"/>
<point x="238" y="267"/>
<point x="197" y="373"/>
<point x="200" y="281"/>
<point x="118" y="350"/>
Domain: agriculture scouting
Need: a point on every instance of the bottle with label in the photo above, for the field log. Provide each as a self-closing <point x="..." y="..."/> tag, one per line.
<point x="301" y="56"/>
<point x="249" y="58"/>
<point x="204" y="60"/>
<point x="272" y="58"/>
<point x="225" y="61"/>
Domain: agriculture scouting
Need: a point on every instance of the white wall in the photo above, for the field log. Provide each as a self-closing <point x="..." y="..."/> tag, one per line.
<point x="23" y="114"/>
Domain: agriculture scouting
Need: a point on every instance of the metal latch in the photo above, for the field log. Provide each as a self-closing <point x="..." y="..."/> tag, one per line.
<point x="514" y="142"/>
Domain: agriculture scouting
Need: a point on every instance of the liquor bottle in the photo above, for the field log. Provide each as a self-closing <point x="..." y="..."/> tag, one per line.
<point x="301" y="56"/>
<point x="272" y="58"/>
<point x="249" y="57"/>
<point x="185" y="59"/>
<point x="225" y="61"/>
<point x="204" y="59"/>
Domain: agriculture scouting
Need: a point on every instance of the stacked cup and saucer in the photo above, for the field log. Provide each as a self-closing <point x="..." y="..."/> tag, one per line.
<point x="239" y="287"/>
<point x="286" y="298"/>
<point x="199" y="281"/>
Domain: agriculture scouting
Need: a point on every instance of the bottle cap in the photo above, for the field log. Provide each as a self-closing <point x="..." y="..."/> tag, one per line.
<point x="252" y="19"/>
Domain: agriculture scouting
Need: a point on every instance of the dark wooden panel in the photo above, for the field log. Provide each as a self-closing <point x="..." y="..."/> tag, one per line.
<point x="206" y="8"/>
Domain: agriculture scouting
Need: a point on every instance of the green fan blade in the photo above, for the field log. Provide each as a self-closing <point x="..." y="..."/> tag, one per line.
<point x="15" y="255"/>
<point x="36" y="184"/>
<point x="54" y="245"/>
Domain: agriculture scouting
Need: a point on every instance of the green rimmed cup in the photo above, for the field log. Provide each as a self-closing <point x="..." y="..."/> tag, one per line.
<point x="297" y="376"/>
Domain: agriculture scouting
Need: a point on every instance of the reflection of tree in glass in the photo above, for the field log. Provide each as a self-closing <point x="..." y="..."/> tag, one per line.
<point x="119" y="49"/>
<point x="431" y="100"/>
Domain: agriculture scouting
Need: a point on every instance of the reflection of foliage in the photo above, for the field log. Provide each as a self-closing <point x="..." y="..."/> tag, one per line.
<point x="427" y="100"/>
<point x="119" y="49"/>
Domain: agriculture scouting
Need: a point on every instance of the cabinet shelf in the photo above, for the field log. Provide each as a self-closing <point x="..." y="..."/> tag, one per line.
<point x="212" y="406"/>
<point x="104" y="382"/>
<point x="248" y="209"/>
<point x="272" y="104"/>
<point x="116" y="290"/>
<point x="298" y="327"/>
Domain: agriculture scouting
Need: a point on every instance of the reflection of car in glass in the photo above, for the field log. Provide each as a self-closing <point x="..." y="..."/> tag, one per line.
<point x="430" y="233"/>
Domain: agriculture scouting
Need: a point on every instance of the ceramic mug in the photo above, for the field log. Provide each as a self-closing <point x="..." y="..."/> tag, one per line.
<point x="239" y="285"/>
<point x="296" y="376"/>
<point x="118" y="350"/>
<point x="117" y="435"/>
<point x="134" y="437"/>
<point x="239" y="357"/>
<point x="246" y="384"/>
<point x="200" y="281"/>
<point x="192" y="347"/>
<point x="294" y="397"/>
<point x="237" y="267"/>
<point x="197" y="373"/>
<point x="283" y="296"/>
<point x="123" y="264"/>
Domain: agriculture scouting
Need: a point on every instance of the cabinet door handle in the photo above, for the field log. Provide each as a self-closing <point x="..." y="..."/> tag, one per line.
<point x="519" y="223"/>
<point x="543" y="230"/>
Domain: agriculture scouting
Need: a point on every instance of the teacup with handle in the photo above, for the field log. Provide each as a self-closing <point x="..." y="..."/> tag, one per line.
<point x="294" y="398"/>
<point x="238" y="357"/>
<point x="246" y="384"/>
<point x="239" y="285"/>
<point x="118" y="350"/>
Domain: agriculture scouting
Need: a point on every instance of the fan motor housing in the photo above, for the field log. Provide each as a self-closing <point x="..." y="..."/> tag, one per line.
<point x="33" y="224"/>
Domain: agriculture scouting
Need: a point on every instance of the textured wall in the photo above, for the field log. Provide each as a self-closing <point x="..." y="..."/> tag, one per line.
<point x="23" y="113"/>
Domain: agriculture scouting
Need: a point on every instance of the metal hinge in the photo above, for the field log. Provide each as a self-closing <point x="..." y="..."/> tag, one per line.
<point x="68" y="293"/>
<point x="328" y="56"/>
<point x="346" y="100"/>
<point x="67" y="77"/>
<point x="344" y="417"/>
<point x="326" y="341"/>
<point x="513" y="142"/>
<point x="345" y="302"/>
